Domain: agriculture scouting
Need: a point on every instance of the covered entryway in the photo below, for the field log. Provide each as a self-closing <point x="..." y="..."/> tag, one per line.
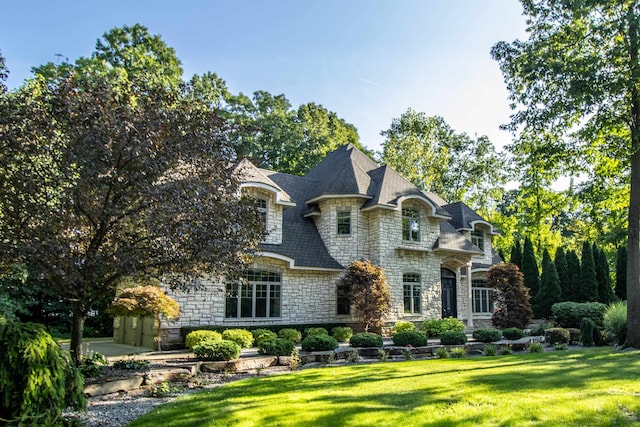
<point x="449" y="302"/>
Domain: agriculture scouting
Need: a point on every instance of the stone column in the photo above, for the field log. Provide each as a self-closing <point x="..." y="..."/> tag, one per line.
<point x="470" y="296"/>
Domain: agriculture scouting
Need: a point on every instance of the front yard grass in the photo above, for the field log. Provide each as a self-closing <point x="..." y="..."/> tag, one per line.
<point x="590" y="387"/>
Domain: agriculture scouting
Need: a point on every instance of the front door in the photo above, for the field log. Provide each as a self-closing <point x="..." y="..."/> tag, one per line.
<point x="449" y="306"/>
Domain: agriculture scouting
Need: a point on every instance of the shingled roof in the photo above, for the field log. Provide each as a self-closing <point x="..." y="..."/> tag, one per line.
<point x="464" y="218"/>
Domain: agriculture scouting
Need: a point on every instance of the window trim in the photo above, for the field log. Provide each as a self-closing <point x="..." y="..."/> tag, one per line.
<point x="481" y="297"/>
<point x="338" y="223"/>
<point x="263" y="210"/>
<point x="477" y="238"/>
<point x="412" y="281"/>
<point x="411" y="217"/>
<point x="270" y="286"/>
<point x="342" y="295"/>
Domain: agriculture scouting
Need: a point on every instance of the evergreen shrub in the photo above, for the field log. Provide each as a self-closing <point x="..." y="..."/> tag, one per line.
<point x="402" y="326"/>
<point x="262" y="334"/>
<point x="342" y="333"/>
<point x="366" y="339"/>
<point x="37" y="379"/>
<point x="315" y="331"/>
<point x="569" y="314"/>
<point x="319" y="342"/>
<point x="487" y="335"/>
<point x="196" y="337"/>
<point x="242" y="337"/>
<point x="434" y="327"/>
<point x="276" y="347"/>
<point x="409" y="337"/>
<point x="586" y="332"/>
<point x="293" y="335"/>
<point x="213" y="349"/>
<point x="557" y="336"/>
<point x="513" y="333"/>
<point x="453" y="338"/>
<point x="535" y="347"/>
<point x="574" y="334"/>
<point x="538" y="330"/>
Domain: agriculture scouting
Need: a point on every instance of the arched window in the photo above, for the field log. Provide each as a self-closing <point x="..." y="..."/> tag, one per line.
<point x="258" y="295"/>
<point x="412" y="292"/>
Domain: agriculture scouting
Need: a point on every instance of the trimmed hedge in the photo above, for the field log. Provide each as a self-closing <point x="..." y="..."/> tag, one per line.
<point x="262" y="334"/>
<point x="570" y="314"/>
<point x="487" y="335"/>
<point x="315" y="331"/>
<point x="409" y="337"/>
<point x="453" y="338"/>
<point x="366" y="339"/>
<point x="276" y="347"/>
<point x="293" y="335"/>
<point x="217" y="350"/>
<point x="513" y="333"/>
<point x="319" y="343"/>
<point x="242" y="337"/>
<point x="435" y="327"/>
<point x="184" y="330"/>
<point x="196" y="337"/>
<point x="557" y="336"/>
<point x="342" y="333"/>
<point x="402" y="326"/>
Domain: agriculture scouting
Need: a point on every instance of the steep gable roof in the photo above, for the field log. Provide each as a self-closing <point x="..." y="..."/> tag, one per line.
<point x="464" y="218"/>
<point x="253" y="176"/>
<point x="451" y="240"/>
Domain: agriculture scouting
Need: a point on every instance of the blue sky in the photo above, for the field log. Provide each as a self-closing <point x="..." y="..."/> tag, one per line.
<point x="366" y="60"/>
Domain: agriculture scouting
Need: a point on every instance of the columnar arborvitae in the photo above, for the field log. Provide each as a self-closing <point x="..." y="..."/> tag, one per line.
<point x="562" y="269"/>
<point x="573" y="269"/>
<point x="588" y="291"/>
<point x="516" y="255"/>
<point x="549" y="292"/>
<point x="530" y="269"/>
<point x="621" y="272"/>
<point x="605" y="291"/>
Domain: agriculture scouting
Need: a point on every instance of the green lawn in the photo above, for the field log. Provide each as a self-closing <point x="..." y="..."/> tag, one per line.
<point x="585" y="388"/>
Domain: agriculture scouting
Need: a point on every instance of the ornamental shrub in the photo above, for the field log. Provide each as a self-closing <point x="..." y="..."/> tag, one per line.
<point x="490" y="350"/>
<point x="196" y="337"/>
<point x="487" y="335"/>
<point x="309" y="332"/>
<point x="212" y="349"/>
<point x="402" y="326"/>
<point x="319" y="343"/>
<point x="586" y="332"/>
<point x="557" y="336"/>
<point x="342" y="333"/>
<point x="37" y="379"/>
<point x="513" y="333"/>
<point x="242" y="337"/>
<point x="293" y="335"/>
<point x="538" y="330"/>
<point x="276" y="347"/>
<point x="615" y="321"/>
<point x="434" y="327"/>
<point x="570" y="314"/>
<point x="366" y="339"/>
<point x="535" y="347"/>
<point x="574" y="335"/>
<point x="453" y="338"/>
<point x="262" y="334"/>
<point x="409" y="337"/>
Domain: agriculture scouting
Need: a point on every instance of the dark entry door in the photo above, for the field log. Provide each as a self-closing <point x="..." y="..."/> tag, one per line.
<point x="449" y="305"/>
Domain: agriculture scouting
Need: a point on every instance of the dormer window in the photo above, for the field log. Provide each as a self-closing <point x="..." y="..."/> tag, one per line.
<point x="261" y="205"/>
<point x="477" y="238"/>
<point x="410" y="225"/>
<point x="343" y="220"/>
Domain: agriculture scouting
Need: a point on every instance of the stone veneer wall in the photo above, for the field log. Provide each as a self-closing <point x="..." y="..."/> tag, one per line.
<point x="307" y="297"/>
<point x="274" y="214"/>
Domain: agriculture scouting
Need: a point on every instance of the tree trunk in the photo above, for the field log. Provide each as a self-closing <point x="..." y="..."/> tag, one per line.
<point x="77" y="329"/>
<point x="633" y="257"/>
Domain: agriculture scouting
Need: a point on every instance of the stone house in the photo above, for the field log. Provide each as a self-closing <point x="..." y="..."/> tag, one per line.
<point x="435" y="254"/>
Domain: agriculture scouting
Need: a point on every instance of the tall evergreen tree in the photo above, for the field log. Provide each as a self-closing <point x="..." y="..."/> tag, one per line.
<point x="530" y="268"/>
<point x="605" y="291"/>
<point x="550" y="291"/>
<point x="516" y="254"/>
<point x="575" y="280"/>
<point x="562" y="269"/>
<point x="621" y="272"/>
<point x="588" y="291"/>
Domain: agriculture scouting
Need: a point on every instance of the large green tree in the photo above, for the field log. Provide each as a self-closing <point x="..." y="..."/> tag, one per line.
<point x="550" y="291"/>
<point x="588" y="290"/>
<point x="104" y="175"/>
<point x="577" y="74"/>
<point x="530" y="268"/>
<point x="560" y="261"/>
<point x="429" y="153"/>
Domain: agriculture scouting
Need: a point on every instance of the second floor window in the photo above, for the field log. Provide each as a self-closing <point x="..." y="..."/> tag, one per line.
<point x="344" y="222"/>
<point x="410" y="225"/>
<point x="477" y="238"/>
<point x="261" y="204"/>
